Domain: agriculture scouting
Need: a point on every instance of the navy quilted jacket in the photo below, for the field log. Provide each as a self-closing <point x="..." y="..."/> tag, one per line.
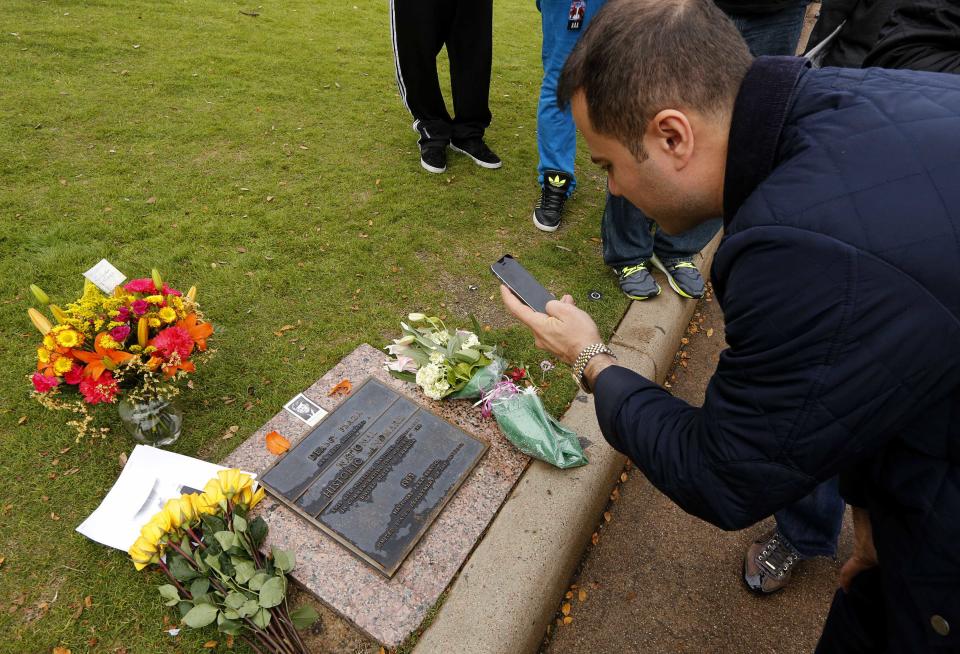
<point x="839" y="279"/>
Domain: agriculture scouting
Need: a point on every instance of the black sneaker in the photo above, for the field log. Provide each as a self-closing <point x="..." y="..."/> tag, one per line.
<point x="553" y="194"/>
<point x="477" y="150"/>
<point x="434" y="159"/>
<point x="637" y="283"/>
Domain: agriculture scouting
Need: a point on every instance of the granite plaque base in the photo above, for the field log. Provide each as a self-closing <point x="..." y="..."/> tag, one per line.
<point x="388" y="610"/>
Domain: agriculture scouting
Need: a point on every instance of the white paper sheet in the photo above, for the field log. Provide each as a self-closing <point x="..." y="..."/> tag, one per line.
<point x="150" y="478"/>
<point x="105" y="276"/>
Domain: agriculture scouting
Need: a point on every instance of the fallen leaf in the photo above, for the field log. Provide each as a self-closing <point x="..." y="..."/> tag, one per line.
<point x="623" y="476"/>
<point x="569" y="594"/>
<point x="210" y="644"/>
<point x="615" y="495"/>
<point x="276" y="443"/>
<point x="582" y="595"/>
<point x="565" y="609"/>
<point x="88" y="601"/>
<point x="607" y="517"/>
<point x="269" y="198"/>
<point x="54" y="516"/>
<point x="123" y="459"/>
<point x="22" y="420"/>
<point x="595" y="538"/>
<point x="229" y="640"/>
<point x="2" y="559"/>
<point x="64" y="450"/>
<point x="382" y="651"/>
<point x="709" y="332"/>
<point x="61" y="650"/>
<point x="92" y="641"/>
<point x="152" y="199"/>
<point x="283" y="329"/>
<point x="343" y="387"/>
<point x="567" y="619"/>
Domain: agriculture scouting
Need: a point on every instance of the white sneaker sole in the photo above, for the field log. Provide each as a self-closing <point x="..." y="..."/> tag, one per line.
<point x="432" y="169"/>
<point x="482" y="164"/>
<point x="662" y="268"/>
<point x="543" y="228"/>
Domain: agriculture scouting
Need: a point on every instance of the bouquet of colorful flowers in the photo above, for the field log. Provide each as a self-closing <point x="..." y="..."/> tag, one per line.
<point x="457" y="365"/>
<point x="209" y="549"/>
<point x="442" y="362"/>
<point x="137" y="342"/>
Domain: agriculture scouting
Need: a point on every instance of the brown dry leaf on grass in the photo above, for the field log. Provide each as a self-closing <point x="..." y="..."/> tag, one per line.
<point x="210" y="644"/>
<point x="343" y="387"/>
<point x="567" y="619"/>
<point x="61" y="650"/>
<point x="276" y="443"/>
<point x="595" y="538"/>
<point x="88" y="601"/>
<point x="565" y="609"/>
<point x="284" y="329"/>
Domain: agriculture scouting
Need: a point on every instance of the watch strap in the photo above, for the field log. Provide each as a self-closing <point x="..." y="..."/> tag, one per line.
<point x="580" y="363"/>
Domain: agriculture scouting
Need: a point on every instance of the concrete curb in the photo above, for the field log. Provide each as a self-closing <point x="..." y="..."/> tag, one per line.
<point x="510" y="587"/>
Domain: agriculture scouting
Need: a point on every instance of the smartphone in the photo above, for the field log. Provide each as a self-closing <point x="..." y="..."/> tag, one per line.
<point x="522" y="283"/>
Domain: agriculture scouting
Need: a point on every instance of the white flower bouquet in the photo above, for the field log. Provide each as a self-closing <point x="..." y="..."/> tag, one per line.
<point x="443" y="362"/>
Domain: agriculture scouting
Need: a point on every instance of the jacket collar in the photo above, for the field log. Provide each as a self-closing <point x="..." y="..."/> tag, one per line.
<point x="758" y="116"/>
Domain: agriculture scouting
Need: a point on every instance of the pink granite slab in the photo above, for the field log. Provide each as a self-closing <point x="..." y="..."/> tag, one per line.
<point x="388" y="610"/>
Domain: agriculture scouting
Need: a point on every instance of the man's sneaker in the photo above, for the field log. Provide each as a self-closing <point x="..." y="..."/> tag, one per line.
<point x="683" y="276"/>
<point x="434" y="159"/>
<point x="769" y="562"/>
<point x="477" y="150"/>
<point x="637" y="282"/>
<point x="549" y="207"/>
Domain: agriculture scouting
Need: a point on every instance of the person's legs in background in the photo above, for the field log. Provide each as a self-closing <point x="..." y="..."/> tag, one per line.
<point x="470" y="48"/>
<point x="418" y="29"/>
<point x="775" y="34"/>
<point x="556" y="133"/>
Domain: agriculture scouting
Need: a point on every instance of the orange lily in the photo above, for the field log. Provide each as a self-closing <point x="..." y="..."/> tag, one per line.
<point x="198" y="331"/>
<point x="101" y="358"/>
<point x="171" y="368"/>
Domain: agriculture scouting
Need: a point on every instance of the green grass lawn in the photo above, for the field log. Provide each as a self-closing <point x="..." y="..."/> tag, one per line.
<point x="269" y="161"/>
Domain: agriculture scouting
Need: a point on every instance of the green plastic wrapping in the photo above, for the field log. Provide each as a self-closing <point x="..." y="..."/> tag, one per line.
<point x="526" y="424"/>
<point x="481" y="382"/>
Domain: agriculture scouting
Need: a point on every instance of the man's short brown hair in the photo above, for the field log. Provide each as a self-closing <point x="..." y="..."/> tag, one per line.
<point x="639" y="57"/>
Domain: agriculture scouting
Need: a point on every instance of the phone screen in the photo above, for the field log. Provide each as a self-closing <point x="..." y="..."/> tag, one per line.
<point x="522" y="283"/>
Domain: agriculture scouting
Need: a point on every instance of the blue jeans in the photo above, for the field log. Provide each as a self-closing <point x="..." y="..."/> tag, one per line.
<point x="556" y="133"/>
<point x="774" y="34"/>
<point x="812" y="524"/>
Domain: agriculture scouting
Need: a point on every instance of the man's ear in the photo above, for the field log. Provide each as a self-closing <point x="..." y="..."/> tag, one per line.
<point x="670" y="136"/>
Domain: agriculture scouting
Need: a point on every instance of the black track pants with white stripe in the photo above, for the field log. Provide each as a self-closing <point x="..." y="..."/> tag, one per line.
<point x="420" y="28"/>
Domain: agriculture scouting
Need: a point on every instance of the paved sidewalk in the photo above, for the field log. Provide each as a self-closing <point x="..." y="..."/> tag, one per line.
<point x="660" y="580"/>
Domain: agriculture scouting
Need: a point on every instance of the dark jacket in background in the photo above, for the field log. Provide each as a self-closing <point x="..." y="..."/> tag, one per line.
<point x="920" y="35"/>
<point x="839" y="279"/>
<point x="857" y="36"/>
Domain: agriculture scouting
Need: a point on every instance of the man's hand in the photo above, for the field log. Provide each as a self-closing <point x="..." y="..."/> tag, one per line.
<point x="563" y="330"/>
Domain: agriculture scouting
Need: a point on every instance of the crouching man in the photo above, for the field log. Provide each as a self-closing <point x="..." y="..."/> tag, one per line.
<point x="839" y="279"/>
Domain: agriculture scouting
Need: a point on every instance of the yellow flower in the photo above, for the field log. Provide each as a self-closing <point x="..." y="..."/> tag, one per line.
<point x="43" y="354"/>
<point x="154" y="322"/>
<point x="143" y="553"/>
<point x="106" y="342"/>
<point x="180" y="511"/>
<point x="68" y="338"/>
<point x="177" y="303"/>
<point x="154" y="299"/>
<point x="154" y="531"/>
<point x="232" y="482"/>
<point x="48" y="342"/>
<point x="63" y="365"/>
<point x="250" y="497"/>
<point x="212" y="496"/>
<point x="206" y="503"/>
<point x="167" y="314"/>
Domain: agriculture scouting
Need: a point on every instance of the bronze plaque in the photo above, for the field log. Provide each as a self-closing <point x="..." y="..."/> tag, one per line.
<point x="375" y="473"/>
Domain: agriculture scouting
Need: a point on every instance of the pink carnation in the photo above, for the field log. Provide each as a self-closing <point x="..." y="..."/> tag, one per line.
<point x="44" y="384"/>
<point x="144" y="285"/>
<point x="174" y="340"/>
<point x="170" y="291"/>
<point x="119" y="334"/>
<point x="98" y="391"/>
<point x="140" y="307"/>
<point x="123" y="314"/>
<point x="75" y="376"/>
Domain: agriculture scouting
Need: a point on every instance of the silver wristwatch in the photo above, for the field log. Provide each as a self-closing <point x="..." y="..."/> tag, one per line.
<point x="580" y="364"/>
